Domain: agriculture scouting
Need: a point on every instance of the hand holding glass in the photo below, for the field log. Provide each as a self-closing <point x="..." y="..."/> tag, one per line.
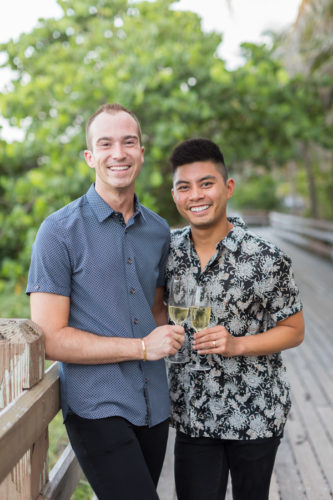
<point x="200" y="316"/>
<point x="178" y="311"/>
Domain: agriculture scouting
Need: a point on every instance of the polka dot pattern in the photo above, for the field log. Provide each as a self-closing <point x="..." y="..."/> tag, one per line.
<point x="110" y="271"/>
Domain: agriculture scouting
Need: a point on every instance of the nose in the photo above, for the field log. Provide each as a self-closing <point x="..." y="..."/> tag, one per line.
<point x="117" y="151"/>
<point x="196" y="193"/>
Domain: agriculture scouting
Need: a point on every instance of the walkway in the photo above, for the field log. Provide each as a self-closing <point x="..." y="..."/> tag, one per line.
<point x="304" y="464"/>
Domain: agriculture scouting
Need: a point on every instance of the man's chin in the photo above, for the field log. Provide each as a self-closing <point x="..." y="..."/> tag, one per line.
<point x="198" y="224"/>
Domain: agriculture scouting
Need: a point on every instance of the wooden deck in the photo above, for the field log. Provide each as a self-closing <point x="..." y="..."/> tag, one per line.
<point x="304" y="464"/>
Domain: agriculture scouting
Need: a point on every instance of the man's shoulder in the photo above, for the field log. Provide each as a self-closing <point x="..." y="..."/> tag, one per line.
<point x="255" y="243"/>
<point x="69" y="212"/>
<point x="178" y="235"/>
<point x="152" y="216"/>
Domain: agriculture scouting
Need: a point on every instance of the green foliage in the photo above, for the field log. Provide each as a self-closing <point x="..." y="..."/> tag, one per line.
<point x="58" y="439"/>
<point x="258" y="192"/>
<point x="159" y="63"/>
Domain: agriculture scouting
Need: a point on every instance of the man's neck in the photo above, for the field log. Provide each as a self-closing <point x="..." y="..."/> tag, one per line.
<point x="119" y="200"/>
<point x="208" y="237"/>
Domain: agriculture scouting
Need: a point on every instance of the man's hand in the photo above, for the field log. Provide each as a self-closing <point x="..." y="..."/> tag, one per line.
<point x="71" y="345"/>
<point x="286" y="334"/>
<point x="163" y="341"/>
<point x="216" y="340"/>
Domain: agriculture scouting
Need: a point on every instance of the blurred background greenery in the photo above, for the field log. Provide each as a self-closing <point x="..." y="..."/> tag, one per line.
<point x="272" y="116"/>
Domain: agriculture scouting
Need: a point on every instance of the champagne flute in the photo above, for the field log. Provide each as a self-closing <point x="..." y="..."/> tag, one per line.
<point x="200" y="316"/>
<point x="178" y="310"/>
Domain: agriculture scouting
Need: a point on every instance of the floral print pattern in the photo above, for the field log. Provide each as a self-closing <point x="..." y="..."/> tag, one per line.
<point x="252" y="286"/>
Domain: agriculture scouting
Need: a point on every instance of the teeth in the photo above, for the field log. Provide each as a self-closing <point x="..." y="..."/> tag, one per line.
<point x="119" y="168"/>
<point x="199" y="209"/>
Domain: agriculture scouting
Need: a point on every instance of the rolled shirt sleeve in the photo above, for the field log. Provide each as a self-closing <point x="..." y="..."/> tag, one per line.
<point x="281" y="292"/>
<point x="50" y="269"/>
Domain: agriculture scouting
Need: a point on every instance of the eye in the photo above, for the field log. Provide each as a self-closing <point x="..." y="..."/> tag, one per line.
<point x="206" y="184"/>
<point x="130" y="142"/>
<point x="182" y="188"/>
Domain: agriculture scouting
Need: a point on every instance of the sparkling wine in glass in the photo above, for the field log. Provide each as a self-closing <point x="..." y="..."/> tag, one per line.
<point x="178" y="307"/>
<point x="200" y="316"/>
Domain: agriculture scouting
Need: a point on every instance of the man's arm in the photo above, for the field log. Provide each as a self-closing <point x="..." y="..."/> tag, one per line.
<point x="159" y="309"/>
<point x="71" y="345"/>
<point x="286" y="334"/>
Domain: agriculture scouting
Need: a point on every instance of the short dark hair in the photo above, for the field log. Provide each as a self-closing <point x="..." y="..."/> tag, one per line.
<point x="198" y="149"/>
<point x="111" y="108"/>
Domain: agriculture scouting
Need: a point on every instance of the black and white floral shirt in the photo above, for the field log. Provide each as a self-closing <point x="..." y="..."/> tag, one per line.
<point x="252" y="286"/>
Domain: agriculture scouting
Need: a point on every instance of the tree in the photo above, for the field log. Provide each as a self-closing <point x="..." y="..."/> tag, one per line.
<point x="144" y="55"/>
<point x="159" y="63"/>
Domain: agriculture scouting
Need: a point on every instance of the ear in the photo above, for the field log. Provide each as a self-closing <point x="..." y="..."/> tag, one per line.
<point x="89" y="157"/>
<point x="173" y="195"/>
<point x="142" y="155"/>
<point x="230" y="188"/>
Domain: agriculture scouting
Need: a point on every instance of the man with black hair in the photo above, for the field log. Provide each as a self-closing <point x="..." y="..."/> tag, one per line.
<point x="229" y="418"/>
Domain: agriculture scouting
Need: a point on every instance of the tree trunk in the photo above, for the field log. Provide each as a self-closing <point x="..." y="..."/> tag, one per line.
<point x="331" y="188"/>
<point x="314" y="211"/>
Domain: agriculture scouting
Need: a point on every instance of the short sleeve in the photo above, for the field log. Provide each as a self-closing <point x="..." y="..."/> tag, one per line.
<point x="281" y="291"/>
<point x="50" y="267"/>
<point x="163" y="262"/>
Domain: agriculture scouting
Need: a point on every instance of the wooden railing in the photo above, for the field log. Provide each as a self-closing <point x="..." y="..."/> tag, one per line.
<point x="29" y="401"/>
<point x="312" y="234"/>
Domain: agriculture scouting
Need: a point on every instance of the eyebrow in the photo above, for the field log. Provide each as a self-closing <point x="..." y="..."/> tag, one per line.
<point x="206" y="177"/>
<point x="125" y="137"/>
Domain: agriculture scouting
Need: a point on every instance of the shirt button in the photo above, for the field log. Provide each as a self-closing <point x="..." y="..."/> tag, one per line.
<point x="126" y="231"/>
<point x="36" y="287"/>
<point x="129" y="260"/>
<point x="146" y="380"/>
<point x="132" y="290"/>
<point x="135" y="321"/>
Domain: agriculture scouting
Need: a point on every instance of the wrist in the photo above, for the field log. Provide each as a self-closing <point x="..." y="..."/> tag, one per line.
<point x="240" y="346"/>
<point x="144" y="350"/>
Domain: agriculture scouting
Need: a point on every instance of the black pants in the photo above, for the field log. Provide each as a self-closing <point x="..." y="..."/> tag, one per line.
<point x="202" y="467"/>
<point x="121" y="461"/>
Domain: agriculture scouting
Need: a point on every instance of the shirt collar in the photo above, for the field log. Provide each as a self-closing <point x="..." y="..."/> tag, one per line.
<point x="235" y="236"/>
<point x="102" y="210"/>
<point x="231" y="241"/>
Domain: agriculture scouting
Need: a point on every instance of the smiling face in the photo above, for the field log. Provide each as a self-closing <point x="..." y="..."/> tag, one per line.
<point x="200" y="194"/>
<point x="116" y="155"/>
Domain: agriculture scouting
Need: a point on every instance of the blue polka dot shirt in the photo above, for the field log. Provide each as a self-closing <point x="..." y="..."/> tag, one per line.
<point x="110" y="271"/>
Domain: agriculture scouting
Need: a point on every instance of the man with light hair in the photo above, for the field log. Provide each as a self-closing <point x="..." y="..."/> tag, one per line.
<point x="96" y="289"/>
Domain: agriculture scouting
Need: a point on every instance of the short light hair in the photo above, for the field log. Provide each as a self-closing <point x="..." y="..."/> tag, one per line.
<point x="112" y="108"/>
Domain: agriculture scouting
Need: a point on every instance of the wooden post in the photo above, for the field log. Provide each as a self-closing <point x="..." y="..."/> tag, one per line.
<point x="22" y="356"/>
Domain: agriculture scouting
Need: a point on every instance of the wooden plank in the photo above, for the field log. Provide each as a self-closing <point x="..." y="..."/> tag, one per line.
<point x="310" y="443"/>
<point x="295" y="221"/>
<point x="166" y="486"/>
<point x="24" y="420"/>
<point x="326" y="415"/>
<point x="22" y="356"/>
<point x="312" y="364"/>
<point x="307" y="465"/>
<point x="64" y="477"/>
<point x="317" y="236"/>
<point x="286" y="472"/>
<point x="274" y="493"/>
